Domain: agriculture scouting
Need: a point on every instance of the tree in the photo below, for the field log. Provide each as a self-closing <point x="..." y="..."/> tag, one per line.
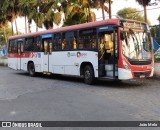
<point x="8" y="32"/>
<point x="3" y="19"/>
<point x="159" y="19"/>
<point x="3" y="26"/>
<point x="25" y="9"/>
<point x="79" y="8"/>
<point x="45" y="11"/>
<point x="144" y="3"/>
<point x="100" y="4"/>
<point x="11" y="10"/>
<point x="130" y="13"/>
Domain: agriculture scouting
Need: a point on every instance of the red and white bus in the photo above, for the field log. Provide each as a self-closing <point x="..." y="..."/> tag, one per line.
<point x="109" y="49"/>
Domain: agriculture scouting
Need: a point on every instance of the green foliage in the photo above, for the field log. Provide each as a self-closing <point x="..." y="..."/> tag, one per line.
<point x="8" y="33"/>
<point x="159" y="19"/>
<point x="154" y="31"/>
<point x="130" y="13"/>
<point x="78" y="18"/>
<point x="143" y="2"/>
<point x="47" y="12"/>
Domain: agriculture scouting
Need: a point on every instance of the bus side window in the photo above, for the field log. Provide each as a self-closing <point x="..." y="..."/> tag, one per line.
<point x="12" y="46"/>
<point x="63" y="41"/>
<point x="15" y="47"/>
<point x="22" y="47"/>
<point x="9" y="46"/>
<point x="75" y="40"/>
<point x="69" y="40"/>
<point x="74" y="43"/>
<point x="57" y="42"/>
<point x="87" y="39"/>
<point x="37" y="44"/>
<point x="50" y="47"/>
<point x="29" y="44"/>
<point x="45" y="47"/>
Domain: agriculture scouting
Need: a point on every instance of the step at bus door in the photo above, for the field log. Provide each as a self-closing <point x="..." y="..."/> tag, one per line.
<point x="19" y="45"/>
<point x="47" y="48"/>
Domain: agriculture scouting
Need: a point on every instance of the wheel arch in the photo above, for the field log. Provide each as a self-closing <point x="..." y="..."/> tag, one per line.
<point x="83" y="64"/>
<point x="29" y="63"/>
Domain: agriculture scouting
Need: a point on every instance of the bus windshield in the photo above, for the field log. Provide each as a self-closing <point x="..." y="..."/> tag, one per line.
<point x="136" y="45"/>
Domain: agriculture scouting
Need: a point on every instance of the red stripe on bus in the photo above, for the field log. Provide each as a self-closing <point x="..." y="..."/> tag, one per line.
<point x="23" y="55"/>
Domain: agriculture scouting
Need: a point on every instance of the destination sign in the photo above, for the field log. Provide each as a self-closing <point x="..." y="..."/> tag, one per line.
<point x="132" y="25"/>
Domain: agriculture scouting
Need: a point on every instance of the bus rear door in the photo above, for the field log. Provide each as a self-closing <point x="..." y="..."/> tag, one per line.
<point x="47" y="48"/>
<point x="20" y="50"/>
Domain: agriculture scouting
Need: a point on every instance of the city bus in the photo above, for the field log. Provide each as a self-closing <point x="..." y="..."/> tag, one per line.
<point x="113" y="49"/>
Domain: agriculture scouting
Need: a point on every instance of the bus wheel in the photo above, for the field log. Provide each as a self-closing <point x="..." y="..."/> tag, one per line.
<point x="31" y="69"/>
<point x="88" y="75"/>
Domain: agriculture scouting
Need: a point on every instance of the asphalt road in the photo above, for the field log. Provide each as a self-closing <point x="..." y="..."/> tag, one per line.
<point x="63" y="98"/>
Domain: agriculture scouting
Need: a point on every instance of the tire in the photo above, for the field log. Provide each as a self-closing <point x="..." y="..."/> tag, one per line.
<point x="88" y="74"/>
<point x="31" y="69"/>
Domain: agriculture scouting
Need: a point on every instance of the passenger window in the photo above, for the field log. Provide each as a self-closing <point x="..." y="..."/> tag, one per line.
<point x="57" y="42"/>
<point x="38" y="46"/>
<point x="29" y="44"/>
<point x="87" y="39"/>
<point x="12" y="46"/>
<point x="69" y="40"/>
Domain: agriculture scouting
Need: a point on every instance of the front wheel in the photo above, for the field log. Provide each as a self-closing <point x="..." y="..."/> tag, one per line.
<point x="89" y="75"/>
<point x="31" y="69"/>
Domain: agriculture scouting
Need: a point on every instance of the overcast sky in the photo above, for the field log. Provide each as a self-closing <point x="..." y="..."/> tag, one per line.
<point x="153" y="12"/>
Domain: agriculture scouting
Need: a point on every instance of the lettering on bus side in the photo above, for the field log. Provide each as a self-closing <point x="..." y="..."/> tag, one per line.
<point x="82" y="55"/>
<point x="105" y="28"/>
<point x="35" y="55"/>
<point x="69" y="54"/>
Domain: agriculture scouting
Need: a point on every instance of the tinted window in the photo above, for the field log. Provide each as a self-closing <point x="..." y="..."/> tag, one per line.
<point x="38" y="45"/>
<point x="71" y="40"/>
<point x="57" y="41"/>
<point x="12" y="46"/>
<point x="29" y="44"/>
<point x="87" y="39"/>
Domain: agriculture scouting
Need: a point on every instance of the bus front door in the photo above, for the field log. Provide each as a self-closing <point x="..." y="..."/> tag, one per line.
<point x="19" y="45"/>
<point x="47" y="45"/>
<point x="108" y="55"/>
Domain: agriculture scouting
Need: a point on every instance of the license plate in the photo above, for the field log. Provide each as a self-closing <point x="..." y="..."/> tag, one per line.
<point x="142" y="76"/>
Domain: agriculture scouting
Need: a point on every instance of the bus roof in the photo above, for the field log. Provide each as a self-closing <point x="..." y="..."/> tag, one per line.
<point x="74" y="27"/>
<point x="69" y="28"/>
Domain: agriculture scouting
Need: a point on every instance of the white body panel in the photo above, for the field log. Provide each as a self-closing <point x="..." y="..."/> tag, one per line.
<point x="68" y="62"/>
<point x="12" y="63"/>
<point x="124" y="74"/>
<point x="64" y="62"/>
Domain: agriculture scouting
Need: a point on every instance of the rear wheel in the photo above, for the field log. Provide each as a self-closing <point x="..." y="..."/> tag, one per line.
<point x="89" y="75"/>
<point x="31" y="69"/>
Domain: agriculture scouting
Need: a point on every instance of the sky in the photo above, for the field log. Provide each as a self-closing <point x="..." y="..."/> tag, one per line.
<point x="152" y="11"/>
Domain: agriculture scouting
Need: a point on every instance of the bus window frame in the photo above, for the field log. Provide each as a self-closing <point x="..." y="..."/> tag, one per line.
<point x="54" y="43"/>
<point x="12" y="46"/>
<point x="25" y="44"/>
<point x="96" y="41"/>
<point x="35" y="42"/>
